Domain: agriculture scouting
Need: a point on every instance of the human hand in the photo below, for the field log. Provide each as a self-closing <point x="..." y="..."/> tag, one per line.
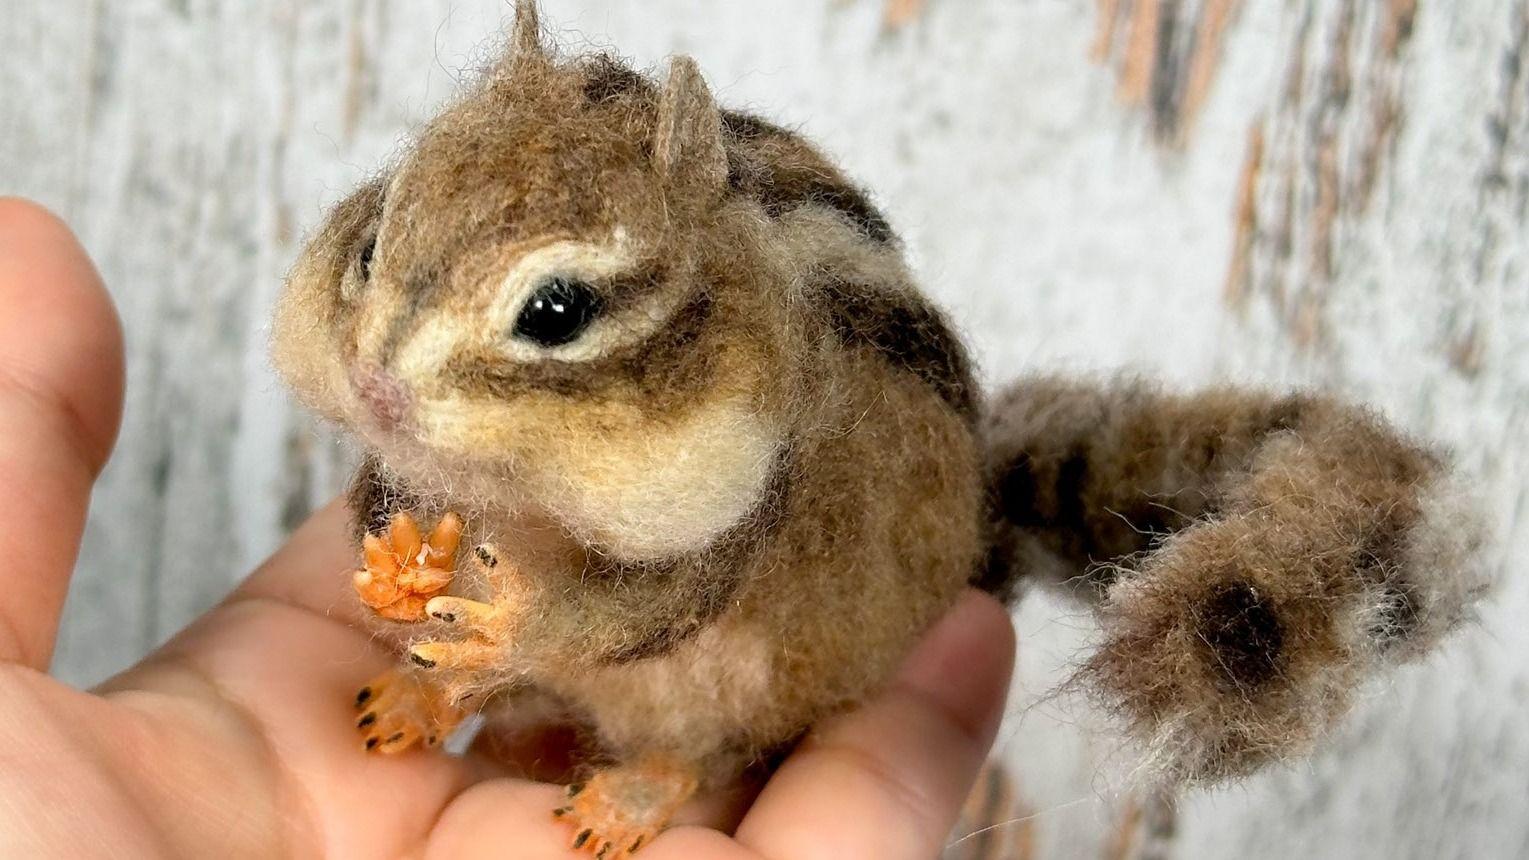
<point x="235" y="738"/>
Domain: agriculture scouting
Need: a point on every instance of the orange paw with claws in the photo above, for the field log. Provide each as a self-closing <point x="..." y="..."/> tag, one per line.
<point x="624" y="808"/>
<point x="399" y="709"/>
<point x="403" y="570"/>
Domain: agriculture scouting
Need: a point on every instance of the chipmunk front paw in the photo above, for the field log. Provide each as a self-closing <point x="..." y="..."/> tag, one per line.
<point x="624" y="808"/>
<point x="399" y="709"/>
<point x="484" y="629"/>
<point x="404" y="571"/>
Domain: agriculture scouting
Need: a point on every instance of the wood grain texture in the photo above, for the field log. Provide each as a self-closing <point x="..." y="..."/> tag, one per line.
<point x="1365" y="184"/>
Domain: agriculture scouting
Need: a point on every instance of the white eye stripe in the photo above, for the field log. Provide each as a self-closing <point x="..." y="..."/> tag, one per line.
<point x="576" y="261"/>
<point x="439" y="335"/>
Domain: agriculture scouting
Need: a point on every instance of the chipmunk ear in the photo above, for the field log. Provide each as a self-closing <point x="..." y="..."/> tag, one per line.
<point x="526" y="48"/>
<point x="687" y="146"/>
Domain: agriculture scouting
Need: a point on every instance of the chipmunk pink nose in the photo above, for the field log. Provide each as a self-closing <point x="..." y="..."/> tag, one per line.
<point x="385" y="396"/>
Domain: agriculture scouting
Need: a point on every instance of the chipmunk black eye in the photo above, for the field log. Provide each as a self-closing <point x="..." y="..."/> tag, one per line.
<point x="557" y="312"/>
<point x="364" y="262"/>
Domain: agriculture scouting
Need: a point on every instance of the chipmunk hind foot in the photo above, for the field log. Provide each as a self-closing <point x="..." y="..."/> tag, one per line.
<point x="623" y="808"/>
<point x="399" y="709"/>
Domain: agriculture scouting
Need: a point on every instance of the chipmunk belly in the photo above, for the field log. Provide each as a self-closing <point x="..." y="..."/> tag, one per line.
<point x="696" y="701"/>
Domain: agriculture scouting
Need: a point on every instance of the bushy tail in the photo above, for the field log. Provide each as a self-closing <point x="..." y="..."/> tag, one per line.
<point x="1252" y="558"/>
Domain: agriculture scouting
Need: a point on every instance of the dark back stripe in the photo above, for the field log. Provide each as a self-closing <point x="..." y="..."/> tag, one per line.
<point x="774" y="166"/>
<point x="913" y="336"/>
<point x="793" y="175"/>
<point x="789" y="190"/>
<point x="606" y="79"/>
<point x="750" y="128"/>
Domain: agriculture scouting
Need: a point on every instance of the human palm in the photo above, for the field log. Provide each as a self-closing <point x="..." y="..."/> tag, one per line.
<point x="236" y="738"/>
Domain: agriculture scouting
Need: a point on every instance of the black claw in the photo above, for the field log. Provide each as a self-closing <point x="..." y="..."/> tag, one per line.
<point x="636" y="844"/>
<point x="395" y="737"/>
<point x="430" y="741"/>
<point x="363" y="696"/>
<point x="575" y="788"/>
<point x="421" y="662"/>
<point x="485" y="556"/>
<point x="448" y="617"/>
<point x="366" y="720"/>
<point x="578" y="841"/>
<point x="600" y="855"/>
<point x="372" y="742"/>
<point x="561" y="811"/>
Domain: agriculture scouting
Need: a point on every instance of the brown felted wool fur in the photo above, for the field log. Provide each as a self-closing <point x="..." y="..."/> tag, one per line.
<point x="694" y="555"/>
<point x="729" y="504"/>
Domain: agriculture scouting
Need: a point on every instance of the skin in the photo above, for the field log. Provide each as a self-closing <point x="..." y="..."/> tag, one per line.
<point x="233" y="740"/>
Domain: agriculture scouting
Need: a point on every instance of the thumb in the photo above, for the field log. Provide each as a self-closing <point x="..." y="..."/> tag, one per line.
<point x="60" y="404"/>
<point x="887" y="780"/>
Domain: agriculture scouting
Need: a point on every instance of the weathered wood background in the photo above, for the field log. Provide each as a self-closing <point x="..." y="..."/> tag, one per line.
<point x="1325" y="192"/>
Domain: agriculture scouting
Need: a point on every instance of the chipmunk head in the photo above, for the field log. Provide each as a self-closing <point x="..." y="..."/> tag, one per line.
<point x="552" y="301"/>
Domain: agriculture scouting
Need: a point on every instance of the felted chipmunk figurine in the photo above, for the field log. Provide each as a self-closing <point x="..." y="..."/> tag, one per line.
<point x="665" y="366"/>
